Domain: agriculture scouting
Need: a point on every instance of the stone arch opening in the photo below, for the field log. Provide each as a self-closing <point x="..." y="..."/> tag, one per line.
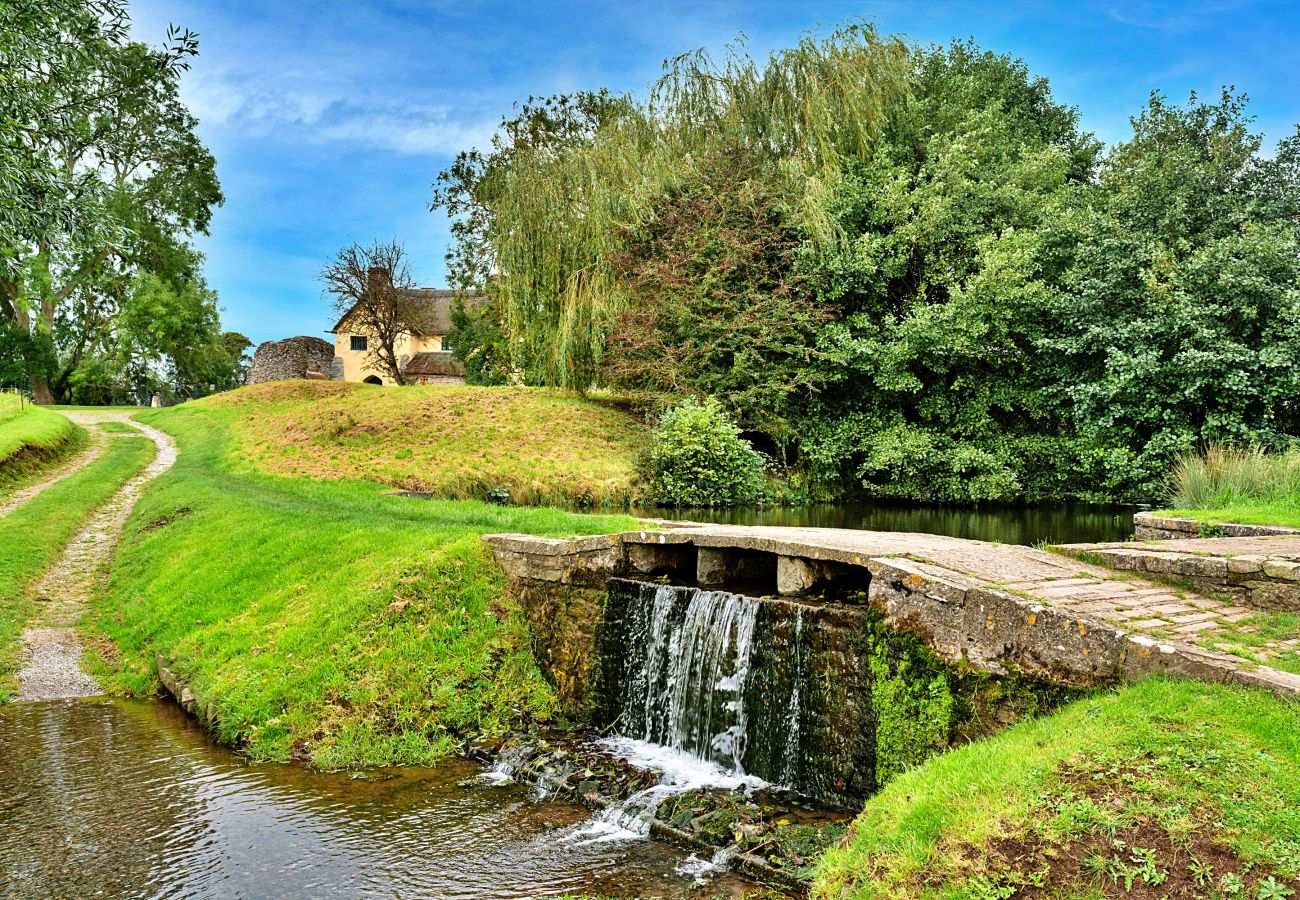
<point x="372" y="379"/>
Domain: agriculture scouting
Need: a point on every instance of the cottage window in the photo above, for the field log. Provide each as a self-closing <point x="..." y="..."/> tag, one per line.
<point x="446" y="342"/>
<point x="358" y="342"/>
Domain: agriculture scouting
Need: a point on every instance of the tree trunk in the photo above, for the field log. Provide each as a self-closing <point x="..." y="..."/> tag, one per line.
<point x="41" y="392"/>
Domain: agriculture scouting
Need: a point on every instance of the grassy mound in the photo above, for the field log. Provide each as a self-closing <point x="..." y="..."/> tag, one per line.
<point x="320" y="619"/>
<point x="529" y="445"/>
<point x="32" y="536"/>
<point x="1164" y="789"/>
<point x="31" y="438"/>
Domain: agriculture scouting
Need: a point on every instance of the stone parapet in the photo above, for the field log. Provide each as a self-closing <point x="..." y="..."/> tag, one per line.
<point x="1215" y="566"/>
<point x="1155" y="527"/>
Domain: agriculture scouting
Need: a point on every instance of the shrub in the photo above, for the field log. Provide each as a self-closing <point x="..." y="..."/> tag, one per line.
<point x="699" y="458"/>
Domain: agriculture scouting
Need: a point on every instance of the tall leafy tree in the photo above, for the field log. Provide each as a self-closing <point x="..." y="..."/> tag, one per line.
<point x="105" y="177"/>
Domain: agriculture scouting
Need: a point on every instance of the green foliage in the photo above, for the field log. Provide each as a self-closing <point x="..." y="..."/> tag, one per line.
<point x="698" y="458"/>
<point x="104" y="182"/>
<point x="478" y="342"/>
<point x="712" y="305"/>
<point x="908" y="269"/>
<point x="1223" y="475"/>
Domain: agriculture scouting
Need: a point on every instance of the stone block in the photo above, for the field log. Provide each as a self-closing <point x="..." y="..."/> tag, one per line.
<point x="795" y="575"/>
<point x="1281" y="596"/>
<point x="1203" y="567"/>
<point x="1246" y="564"/>
<point x="1163" y="563"/>
<point x="1282" y="569"/>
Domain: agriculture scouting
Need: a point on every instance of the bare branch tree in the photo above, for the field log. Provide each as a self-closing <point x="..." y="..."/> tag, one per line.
<point x="372" y="286"/>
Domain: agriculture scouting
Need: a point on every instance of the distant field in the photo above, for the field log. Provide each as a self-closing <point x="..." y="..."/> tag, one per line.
<point x="531" y="445"/>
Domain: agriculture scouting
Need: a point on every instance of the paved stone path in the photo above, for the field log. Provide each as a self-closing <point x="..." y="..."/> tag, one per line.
<point x="1201" y="634"/>
<point x="52" y="668"/>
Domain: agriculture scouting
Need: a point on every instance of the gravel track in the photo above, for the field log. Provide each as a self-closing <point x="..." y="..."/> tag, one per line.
<point x="52" y="664"/>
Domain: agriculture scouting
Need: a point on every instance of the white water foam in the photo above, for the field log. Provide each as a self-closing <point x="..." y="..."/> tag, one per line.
<point x="681" y="772"/>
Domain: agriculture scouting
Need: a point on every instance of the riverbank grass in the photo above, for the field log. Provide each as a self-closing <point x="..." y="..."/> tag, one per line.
<point x="1163" y="789"/>
<point x="33" y="535"/>
<point x="32" y="438"/>
<point x="527" y="446"/>
<point x="321" y="620"/>
<point x="1233" y="484"/>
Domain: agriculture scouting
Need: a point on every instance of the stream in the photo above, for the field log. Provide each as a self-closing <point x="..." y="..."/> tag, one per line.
<point x="121" y="798"/>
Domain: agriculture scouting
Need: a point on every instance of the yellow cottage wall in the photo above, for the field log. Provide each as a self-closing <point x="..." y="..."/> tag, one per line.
<point x="355" y="365"/>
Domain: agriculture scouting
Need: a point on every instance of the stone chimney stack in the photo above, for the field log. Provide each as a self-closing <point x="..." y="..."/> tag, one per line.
<point x="377" y="278"/>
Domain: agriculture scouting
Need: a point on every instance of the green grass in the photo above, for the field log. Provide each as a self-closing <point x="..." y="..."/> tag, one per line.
<point x="32" y="439"/>
<point x="115" y="427"/>
<point x="32" y="536"/>
<point x="1242" y="485"/>
<point x="321" y="619"/>
<point x="1161" y="779"/>
<point x="1271" y="513"/>
<point x="536" y="446"/>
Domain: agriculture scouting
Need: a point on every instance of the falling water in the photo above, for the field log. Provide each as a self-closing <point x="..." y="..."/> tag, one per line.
<point x="689" y="689"/>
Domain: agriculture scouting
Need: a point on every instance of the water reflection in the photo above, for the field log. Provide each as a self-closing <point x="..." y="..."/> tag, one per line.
<point x="119" y="798"/>
<point x="1061" y="523"/>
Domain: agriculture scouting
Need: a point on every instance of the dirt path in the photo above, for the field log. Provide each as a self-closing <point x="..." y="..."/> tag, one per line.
<point x="92" y="452"/>
<point x="52" y="666"/>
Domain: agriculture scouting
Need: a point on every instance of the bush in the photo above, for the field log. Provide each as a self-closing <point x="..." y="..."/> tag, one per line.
<point x="700" y="459"/>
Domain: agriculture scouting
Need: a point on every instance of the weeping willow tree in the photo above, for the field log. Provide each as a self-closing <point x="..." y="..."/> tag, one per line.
<point x="552" y="211"/>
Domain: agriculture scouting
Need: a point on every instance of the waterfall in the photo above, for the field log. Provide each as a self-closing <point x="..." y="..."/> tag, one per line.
<point x="690" y="658"/>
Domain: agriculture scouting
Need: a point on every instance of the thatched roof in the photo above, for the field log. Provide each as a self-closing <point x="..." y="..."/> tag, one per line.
<point x="426" y="311"/>
<point x="437" y="362"/>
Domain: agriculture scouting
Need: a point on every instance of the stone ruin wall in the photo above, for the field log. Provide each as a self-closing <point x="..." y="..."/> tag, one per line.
<point x="295" y="357"/>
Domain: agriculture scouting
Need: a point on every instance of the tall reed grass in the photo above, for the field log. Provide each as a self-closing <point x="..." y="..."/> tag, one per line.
<point x="1225" y="476"/>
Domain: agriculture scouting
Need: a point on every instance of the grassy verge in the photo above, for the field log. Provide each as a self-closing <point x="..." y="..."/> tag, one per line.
<point x="32" y="536"/>
<point x="1273" y="513"/>
<point x="528" y="445"/>
<point x="31" y="439"/>
<point x="322" y="620"/>
<point x="1233" y="484"/>
<point x="1163" y="789"/>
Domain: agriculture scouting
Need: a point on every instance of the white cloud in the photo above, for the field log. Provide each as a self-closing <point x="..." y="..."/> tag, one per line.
<point x="332" y="114"/>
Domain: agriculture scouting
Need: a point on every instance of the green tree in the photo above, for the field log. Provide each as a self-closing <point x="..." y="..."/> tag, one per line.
<point x="1176" y="321"/>
<point x="106" y="175"/>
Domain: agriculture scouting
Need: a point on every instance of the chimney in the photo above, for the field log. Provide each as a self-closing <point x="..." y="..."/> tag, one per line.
<point x="377" y="278"/>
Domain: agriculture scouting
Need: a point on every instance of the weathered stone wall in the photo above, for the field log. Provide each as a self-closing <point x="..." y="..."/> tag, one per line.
<point x="1255" y="580"/>
<point x="295" y="357"/>
<point x="1151" y="527"/>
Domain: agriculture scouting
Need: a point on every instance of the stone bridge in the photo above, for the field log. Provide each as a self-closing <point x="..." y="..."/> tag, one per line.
<point x="996" y="607"/>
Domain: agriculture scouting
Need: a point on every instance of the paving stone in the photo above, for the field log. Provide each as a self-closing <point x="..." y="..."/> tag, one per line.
<point x="1193" y="617"/>
<point x="1149" y="623"/>
<point x="1169" y="609"/>
<point x="1195" y="627"/>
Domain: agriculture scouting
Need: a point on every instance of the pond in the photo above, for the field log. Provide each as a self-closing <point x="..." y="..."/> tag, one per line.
<point x="129" y="798"/>
<point x="1060" y="523"/>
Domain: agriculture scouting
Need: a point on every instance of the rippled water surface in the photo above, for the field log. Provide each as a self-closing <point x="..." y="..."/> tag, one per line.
<point x="119" y="798"/>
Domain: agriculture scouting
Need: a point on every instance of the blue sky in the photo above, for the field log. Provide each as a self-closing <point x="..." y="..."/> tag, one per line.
<point x="330" y="120"/>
